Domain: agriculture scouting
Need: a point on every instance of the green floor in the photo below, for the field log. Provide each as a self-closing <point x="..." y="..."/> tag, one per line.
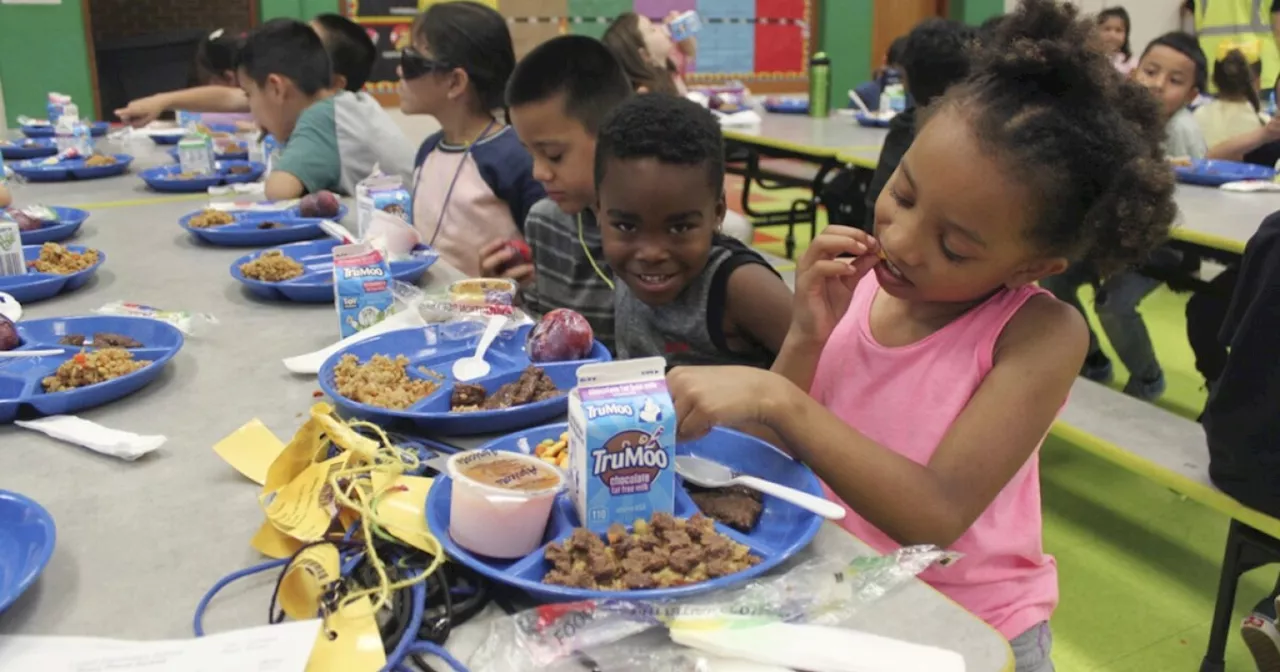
<point x="1138" y="563"/>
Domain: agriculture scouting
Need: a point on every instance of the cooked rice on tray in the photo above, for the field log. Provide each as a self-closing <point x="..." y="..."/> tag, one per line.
<point x="382" y="382"/>
<point x="58" y="260"/>
<point x="89" y="368"/>
<point x="271" y="266"/>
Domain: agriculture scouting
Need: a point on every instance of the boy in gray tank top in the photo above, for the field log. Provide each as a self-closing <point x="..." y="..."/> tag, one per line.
<point x="684" y="292"/>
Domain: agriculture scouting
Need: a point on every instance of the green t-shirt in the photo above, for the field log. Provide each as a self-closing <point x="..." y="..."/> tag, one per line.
<point x="311" y="154"/>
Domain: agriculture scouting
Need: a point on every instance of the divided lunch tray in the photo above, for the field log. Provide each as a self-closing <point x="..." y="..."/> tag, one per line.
<point x="27" y="537"/>
<point x="437" y="347"/>
<point x="871" y="121"/>
<point x="21" y="392"/>
<point x="315" y="285"/>
<point x="1211" y="173"/>
<point x="97" y="129"/>
<point x="244" y="232"/>
<point x="783" y="529"/>
<point x="165" y="178"/>
<point x="30" y="148"/>
<point x="37" y="171"/>
<point x="69" y="221"/>
<point x="33" y="286"/>
<point x="242" y="155"/>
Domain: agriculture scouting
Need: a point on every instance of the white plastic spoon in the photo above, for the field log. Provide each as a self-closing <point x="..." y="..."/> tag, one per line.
<point x="712" y="474"/>
<point x="471" y="368"/>
<point x="4" y="354"/>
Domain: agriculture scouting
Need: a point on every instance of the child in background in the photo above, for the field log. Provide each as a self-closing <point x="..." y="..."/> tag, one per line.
<point x="1113" y="27"/>
<point x="557" y="98"/>
<point x="351" y="54"/>
<point x="687" y="293"/>
<point x="654" y="62"/>
<point x="935" y="57"/>
<point x="216" y="66"/>
<point x="1234" y="126"/>
<point x="474" y="182"/>
<point x="1173" y="70"/>
<point x="920" y="386"/>
<point x="869" y="91"/>
<point x="331" y="140"/>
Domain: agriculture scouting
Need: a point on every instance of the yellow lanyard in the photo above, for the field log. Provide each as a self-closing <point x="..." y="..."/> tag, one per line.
<point x="591" y="257"/>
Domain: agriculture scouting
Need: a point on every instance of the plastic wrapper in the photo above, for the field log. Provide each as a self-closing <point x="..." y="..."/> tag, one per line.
<point x="820" y="591"/>
<point x="459" y="318"/>
<point x="191" y="324"/>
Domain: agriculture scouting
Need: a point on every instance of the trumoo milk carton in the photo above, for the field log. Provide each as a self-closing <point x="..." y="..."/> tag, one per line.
<point x="622" y="443"/>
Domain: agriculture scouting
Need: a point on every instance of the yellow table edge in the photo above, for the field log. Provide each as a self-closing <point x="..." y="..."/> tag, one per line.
<point x="1208" y="240"/>
<point x="1211" y="497"/>
<point x="814" y="151"/>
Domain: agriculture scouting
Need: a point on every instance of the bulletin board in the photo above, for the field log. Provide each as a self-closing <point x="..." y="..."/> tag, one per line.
<point x="763" y="43"/>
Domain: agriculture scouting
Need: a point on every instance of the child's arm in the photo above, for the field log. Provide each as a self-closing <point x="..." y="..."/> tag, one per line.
<point x="1234" y="148"/>
<point x="143" y="111"/>
<point x="5" y="198"/>
<point x="758" y="305"/>
<point x="309" y="163"/>
<point x="1035" y="362"/>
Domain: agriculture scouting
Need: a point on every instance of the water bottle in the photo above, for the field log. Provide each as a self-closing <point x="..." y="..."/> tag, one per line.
<point x="819" y="85"/>
<point x="270" y="152"/>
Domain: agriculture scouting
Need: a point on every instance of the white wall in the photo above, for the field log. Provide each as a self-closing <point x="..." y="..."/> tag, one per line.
<point x="1151" y="18"/>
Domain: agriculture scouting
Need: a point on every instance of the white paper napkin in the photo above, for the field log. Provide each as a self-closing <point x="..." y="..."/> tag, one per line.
<point x="1251" y="186"/>
<point x="116" y="443"/>
<point x="819" y="649"/>
<point x="739" y="119"/>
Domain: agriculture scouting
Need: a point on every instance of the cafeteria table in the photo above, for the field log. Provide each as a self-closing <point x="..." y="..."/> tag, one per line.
<point x="138" y="543"/>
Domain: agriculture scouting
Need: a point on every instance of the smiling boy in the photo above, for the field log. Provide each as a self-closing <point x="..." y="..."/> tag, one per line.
<point x="558" y="96"/>
<point x="687" y="292"/>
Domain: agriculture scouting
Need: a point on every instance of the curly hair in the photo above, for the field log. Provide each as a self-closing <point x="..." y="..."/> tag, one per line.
<point x="671" y="129"/>
<point x="1048" y="107"/>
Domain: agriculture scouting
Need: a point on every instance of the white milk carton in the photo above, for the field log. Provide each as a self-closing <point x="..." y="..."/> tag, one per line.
<point x="622" y="443"/>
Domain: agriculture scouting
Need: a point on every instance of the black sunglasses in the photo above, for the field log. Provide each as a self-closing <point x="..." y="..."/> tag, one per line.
<point x="414" y="65"/>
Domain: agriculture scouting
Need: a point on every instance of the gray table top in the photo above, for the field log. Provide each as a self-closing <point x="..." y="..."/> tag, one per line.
<point x="139" y="543"/>
<point x="819" y="138"/>
<point x="1221" y="219"/>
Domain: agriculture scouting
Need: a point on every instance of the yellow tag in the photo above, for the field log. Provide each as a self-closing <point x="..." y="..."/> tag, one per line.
<point x="305" y="508"/>
<point x="273" y="543"/>
<point x="304" y="583"/>
<point x="1251" y="49"/>
<point x="356" y="646"/>
<point x="250" y="450"/>
<point x="341" y="433"/>
<point x="400" y="508"/>
<point x="301" y="452"/>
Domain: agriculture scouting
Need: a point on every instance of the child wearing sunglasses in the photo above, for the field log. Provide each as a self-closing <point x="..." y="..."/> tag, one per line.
<point x="473" y="181"/>
<point x="332" y="139"/>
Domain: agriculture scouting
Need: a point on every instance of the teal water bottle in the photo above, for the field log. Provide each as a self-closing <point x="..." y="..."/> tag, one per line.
<point x="819" y="85"/>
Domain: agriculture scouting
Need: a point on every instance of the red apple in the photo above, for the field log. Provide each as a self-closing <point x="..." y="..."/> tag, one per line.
<point x="8" y="334"/>
<point x="322" y="204"/>
<point x="520" y="254"/>
<point x="560" y="336"/>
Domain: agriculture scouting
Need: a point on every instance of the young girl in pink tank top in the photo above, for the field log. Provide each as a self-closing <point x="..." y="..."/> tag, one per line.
<point x="923" y="367"/>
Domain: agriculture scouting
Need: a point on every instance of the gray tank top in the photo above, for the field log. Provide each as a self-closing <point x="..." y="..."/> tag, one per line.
<point x="683" y="330"/>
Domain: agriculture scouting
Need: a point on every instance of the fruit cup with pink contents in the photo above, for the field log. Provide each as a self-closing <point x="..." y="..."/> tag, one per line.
<point x="501" y="502"/>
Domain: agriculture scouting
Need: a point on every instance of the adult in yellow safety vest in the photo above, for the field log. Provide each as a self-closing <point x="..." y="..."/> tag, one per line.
<point x="1219" y="21"/>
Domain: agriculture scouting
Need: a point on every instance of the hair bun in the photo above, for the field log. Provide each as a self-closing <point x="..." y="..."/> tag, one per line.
<point x="1047" y="50"/>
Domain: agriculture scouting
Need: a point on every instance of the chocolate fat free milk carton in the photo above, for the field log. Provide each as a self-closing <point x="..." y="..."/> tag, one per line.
<point x="622" y="443"/>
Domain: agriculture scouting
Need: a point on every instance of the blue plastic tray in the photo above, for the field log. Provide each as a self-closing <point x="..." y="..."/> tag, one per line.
<point x="245" y="232"/>
<point x="871" y="122"/>
<point x="163" y="178"/>
<point x="437" y="348"/>
<point x="69" y="221"/>
<point x="787" y="105"/>
<point x="30" y="148"/>
<point x="21" y="392"/>
<point x="40" y="286"/>
<point x="97" y="129"/>
<point x="1209" y="173"/>
<point x="782" y="531"/>
<point x="27" y="536"/>
<point x="315" y="285"/>
<point x="221" y="156"/>
<point x="36" y="171"/>
<point x="168" y="137"/>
